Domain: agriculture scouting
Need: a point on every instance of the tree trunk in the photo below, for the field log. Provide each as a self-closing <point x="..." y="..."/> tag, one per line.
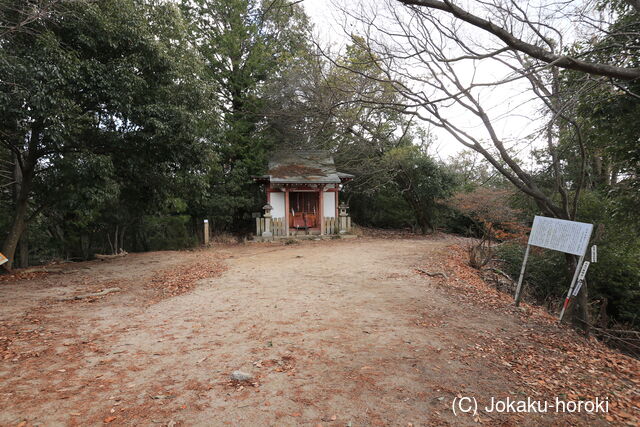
<point x="581" y="317"/>
<point x="122" y="230"/>
<point x="422" y="218"/>
<point x="425" y="223"/>
<point x="23" y="259"/>
<point x="115" y="241"/>
<point x="23" y="245"/>
<point x="15" y="232"/>
<point x="23" y="177"/>
<point x="422" y="214"/>
<point x="109" y="240"/>
<point x="603" y="318"/>
<point x="85" y="245"/>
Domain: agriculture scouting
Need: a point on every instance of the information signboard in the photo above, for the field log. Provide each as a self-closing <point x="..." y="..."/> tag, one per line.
<point x="560" y="235"/>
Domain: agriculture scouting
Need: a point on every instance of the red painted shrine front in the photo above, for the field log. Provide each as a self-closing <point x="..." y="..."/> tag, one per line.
<point x="304" y="208"/>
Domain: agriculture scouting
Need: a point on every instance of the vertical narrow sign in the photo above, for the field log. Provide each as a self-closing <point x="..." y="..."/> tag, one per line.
<point x="581" y="276"/>
<point x="583" y="270"/>
<point x="571" y="287"/>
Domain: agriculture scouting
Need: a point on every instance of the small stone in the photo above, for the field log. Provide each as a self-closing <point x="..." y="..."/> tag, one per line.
<point x="241" y="376"/>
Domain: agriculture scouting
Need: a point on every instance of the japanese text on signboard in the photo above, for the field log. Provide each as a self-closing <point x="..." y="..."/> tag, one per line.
<point x="560" y="235"/>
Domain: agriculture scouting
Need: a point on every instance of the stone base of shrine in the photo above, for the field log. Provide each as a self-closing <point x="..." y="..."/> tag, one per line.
<point x="301" y="236"/>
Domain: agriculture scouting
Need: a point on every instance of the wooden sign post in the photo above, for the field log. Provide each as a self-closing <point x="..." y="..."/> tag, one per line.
<point x="206" y="232"/>
<point x="559" y="235"/>
<point x="524" y="265"/>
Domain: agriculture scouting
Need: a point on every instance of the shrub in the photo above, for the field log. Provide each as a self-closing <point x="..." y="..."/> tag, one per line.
<point x="168" y="232"/>
<point x="546" y="279"/>
<point x="490" y="209"/>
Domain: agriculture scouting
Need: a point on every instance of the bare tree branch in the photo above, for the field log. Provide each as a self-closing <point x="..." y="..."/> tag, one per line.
<point x="562" y="61"/>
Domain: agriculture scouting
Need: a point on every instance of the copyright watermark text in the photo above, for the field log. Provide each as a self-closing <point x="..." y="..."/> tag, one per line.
<point x="470" y="405"/>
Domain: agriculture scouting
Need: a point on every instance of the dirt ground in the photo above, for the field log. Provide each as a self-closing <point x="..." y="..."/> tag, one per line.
<point x="334" y="333"/>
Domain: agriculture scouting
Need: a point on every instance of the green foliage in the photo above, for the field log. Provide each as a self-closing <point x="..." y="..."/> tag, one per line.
<point x="126" y="115"/>
<point x="606" y="113"/>
<point x="384" y="208"/>
<point x="454" y="221"/>
<point x="616" y="275"/>
<point x="101" y="104"/>
<point x="408" y="196"/>
<point x="422" y="182"/>
<point x="251" y="44"/>
<point x="545" y="279"/>
<point x="167" y="232"/>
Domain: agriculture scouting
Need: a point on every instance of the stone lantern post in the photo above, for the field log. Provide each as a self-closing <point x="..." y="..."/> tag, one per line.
<point x="343" y="217"/>
<point x="267" y="221"/>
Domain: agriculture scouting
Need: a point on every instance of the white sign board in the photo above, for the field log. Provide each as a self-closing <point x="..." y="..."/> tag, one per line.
<point x="577" y="289"/>
<point x="3" y="259"/>
<point x="583" y="271"/>
<point x="560" y="235"/>
<point x="581" y="276"/>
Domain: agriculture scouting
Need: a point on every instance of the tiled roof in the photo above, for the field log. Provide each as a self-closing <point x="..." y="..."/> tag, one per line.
<point x="303" y="167"/>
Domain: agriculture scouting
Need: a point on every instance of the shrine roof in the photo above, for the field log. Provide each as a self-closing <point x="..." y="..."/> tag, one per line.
<point x="303" y="167"/>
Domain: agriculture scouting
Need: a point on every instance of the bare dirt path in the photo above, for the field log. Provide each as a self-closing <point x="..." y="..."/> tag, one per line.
<point x="335" y="333"/>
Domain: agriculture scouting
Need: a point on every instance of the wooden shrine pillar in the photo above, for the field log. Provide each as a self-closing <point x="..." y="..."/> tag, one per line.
<point x="286" y="211"/>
